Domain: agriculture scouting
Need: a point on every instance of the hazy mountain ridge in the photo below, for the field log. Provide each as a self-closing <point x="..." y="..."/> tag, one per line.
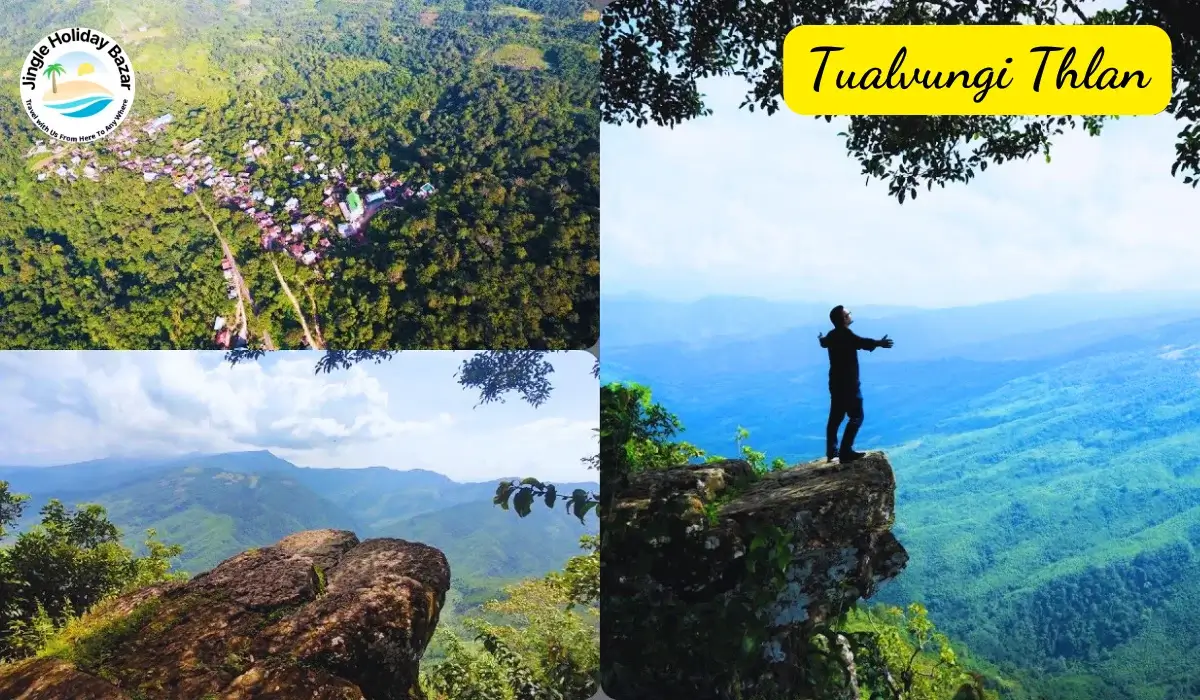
<point x="1048" y="478"/>
<point x="218" y="505"/>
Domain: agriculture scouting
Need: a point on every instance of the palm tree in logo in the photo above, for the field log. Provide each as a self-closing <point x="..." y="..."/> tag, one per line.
<point x="53" y="70"/>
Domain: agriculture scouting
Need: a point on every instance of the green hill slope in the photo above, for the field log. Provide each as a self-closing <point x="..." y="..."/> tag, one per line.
<point x="490" y="543"/>
<point x="222" y="504"/>
<point x="1050" y="505"/>
<point x="215" y="513"/>
<point x="1055" y="522"/>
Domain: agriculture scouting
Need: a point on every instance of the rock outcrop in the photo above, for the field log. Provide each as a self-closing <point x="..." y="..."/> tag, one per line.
<point x="715" y="579"/>
<point x="319" y="615"/>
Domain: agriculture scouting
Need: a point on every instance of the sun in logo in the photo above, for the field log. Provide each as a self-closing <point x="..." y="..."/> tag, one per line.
<point x="78" y="96"/>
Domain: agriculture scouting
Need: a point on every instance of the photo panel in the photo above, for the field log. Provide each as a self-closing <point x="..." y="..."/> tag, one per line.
<point x="278" y="174"/>
<point x="880" y="420"/>
<point x="419" y="525"/>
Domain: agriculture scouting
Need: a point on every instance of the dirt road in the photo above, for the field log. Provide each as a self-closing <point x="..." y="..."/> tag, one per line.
<point x="238" y="280"/>
<point x="296" y="305"/>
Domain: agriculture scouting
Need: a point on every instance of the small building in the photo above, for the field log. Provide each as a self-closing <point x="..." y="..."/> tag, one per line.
<point x="257" y="195"/>
<point x="150" y="177"/>
<point x="375" y="197"/>
<point x="41" y="177"/>
<point x="269" y="201"/>
<point x="222" y="338"/>
<point x="228" y="274"/>
<point x="309" y="257"/>
<point x="345" y="230"/>
<point x="297" y="229"/>
<point x="427" y="189"/>
<point x="354" y="202"/>
<point x="345" y="210"/>
<point x="160" y="123"/>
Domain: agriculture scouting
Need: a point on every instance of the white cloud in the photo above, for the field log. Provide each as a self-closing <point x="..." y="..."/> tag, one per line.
<point x="405" y="413"/>
<point x="740" y="203"/>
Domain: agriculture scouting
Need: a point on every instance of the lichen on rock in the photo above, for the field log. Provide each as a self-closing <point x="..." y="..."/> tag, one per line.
<point x="716" y="577"/>
<point x="317" y="615"/>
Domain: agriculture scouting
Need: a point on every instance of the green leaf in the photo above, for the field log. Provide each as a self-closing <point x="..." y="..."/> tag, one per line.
<point x="582" y="508"/>
<point x="530" y="481"/>
<point x="503" y="491"/>
<point x="523" y="502"/>
<point x="551" y="495"/>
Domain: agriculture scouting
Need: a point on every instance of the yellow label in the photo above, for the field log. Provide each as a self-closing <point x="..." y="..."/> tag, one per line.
<point x="1054" y="70"/>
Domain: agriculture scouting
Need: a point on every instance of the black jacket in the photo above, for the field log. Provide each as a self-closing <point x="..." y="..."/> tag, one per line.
<point x="843" y="346"/>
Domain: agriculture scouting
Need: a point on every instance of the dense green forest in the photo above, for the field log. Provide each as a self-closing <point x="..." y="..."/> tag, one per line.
<point x="492" y="103"/>
<point x="1047" y="484"/>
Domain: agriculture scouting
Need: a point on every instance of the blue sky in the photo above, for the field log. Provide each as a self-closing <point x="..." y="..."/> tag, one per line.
<point x="740" y="203"/>
<point x="406" y="413"/>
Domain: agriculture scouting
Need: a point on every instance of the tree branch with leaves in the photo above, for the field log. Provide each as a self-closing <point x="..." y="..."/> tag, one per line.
<point x="656" y="52"/>
<point x="495" y="374"/>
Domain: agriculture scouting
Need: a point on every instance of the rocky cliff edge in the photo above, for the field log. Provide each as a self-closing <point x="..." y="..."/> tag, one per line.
<point x="717" y="577"/>
<point x="319" y="615"/>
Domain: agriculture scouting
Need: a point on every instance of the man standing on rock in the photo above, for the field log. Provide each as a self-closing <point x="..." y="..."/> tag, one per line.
<point x="845" y="392"/>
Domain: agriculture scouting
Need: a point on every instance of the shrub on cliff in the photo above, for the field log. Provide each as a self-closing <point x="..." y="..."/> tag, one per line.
<point x="62" y="567"/>
<point x="540" y="642"/>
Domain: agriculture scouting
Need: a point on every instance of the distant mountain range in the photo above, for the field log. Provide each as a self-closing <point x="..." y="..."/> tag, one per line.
<point x="217" y="505"/>
<point x="635" y="321"/>
<point x="1047" y="454"/>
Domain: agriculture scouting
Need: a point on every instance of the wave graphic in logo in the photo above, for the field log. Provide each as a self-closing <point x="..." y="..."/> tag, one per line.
<point x="78" y="99"/>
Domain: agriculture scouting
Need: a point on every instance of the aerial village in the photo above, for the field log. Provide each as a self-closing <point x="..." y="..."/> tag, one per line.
<point x="282" y="224"/>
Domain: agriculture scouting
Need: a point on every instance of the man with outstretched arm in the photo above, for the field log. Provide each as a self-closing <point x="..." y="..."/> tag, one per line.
<point x="845" y="392"/>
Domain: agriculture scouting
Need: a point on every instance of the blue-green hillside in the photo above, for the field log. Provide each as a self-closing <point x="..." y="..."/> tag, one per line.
<point x="1048" y="481"/>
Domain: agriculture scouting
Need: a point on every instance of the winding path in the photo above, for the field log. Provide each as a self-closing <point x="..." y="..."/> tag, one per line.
<point x="296" y="305"/>
<point x="243" y="290"/>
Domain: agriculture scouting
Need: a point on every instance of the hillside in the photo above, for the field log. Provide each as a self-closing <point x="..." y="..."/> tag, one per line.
<point x="118" y="244"/>
<point x="1048" y="495"/>
<point x="215" y="513"/>
<point x="218" y="505"/>
<point x="485" y="542"/>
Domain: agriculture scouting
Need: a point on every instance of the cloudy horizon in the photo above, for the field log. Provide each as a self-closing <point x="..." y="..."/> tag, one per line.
<point x="772" y="207"/>
<point x="68" y="407"/>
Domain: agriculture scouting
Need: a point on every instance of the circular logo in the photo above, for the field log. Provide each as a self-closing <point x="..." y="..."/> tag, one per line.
<point x="77" y="85"/>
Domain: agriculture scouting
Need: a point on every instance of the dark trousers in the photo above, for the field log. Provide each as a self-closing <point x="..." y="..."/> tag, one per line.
<point x="843" y="403"/>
